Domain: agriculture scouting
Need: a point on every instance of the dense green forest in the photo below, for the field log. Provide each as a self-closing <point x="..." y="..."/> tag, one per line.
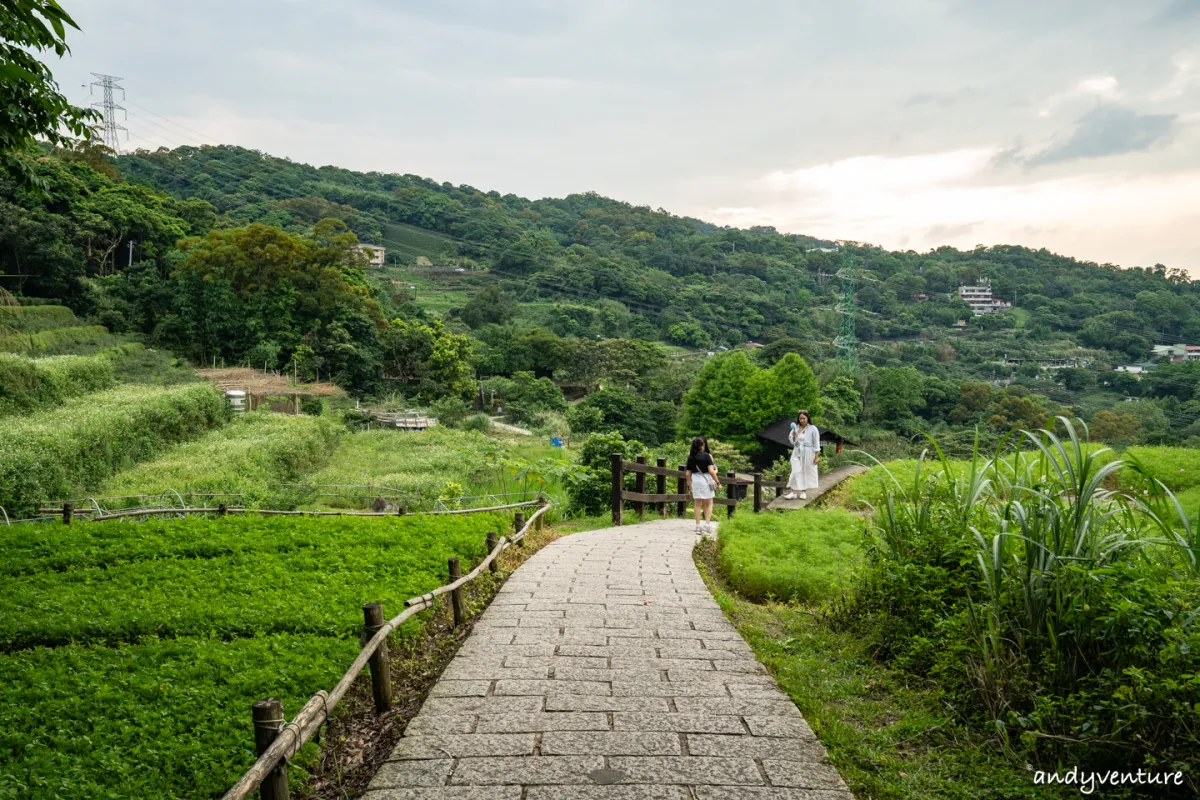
<point x="227" y="255"/>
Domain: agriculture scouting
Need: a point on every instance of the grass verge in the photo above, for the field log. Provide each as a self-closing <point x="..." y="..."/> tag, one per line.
<point x="890" y="739"/>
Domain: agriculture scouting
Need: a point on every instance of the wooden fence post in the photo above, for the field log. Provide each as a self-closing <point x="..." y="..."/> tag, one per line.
<point x="730" y="492"/>
<point x="381" y="668"/>
<point x="456" y="595"/>
<point x="639" y="486"/>
<point x="681" y="488"/>
<point x="222" y="509"/>
<point x="68" y="512"/>
<point x="618" y="469"/>
<point x="537" y="523"/>
<point x="518" y="523"/>
<point x="757" y="492"/>
<point x="493" y="539"/>
<point x="778" y="489"/>
<point x="268" y="722"/>
<point x="660" y="486"/>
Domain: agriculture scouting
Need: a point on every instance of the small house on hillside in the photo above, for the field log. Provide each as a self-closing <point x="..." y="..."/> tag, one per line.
<point x="775" y="437"/>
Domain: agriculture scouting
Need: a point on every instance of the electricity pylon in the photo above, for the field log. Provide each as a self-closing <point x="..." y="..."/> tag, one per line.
<point x="847" y="341"/>
<point x="109" y="108"/>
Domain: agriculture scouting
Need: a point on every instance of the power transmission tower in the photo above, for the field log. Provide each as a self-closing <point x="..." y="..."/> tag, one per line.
<point x="109" y="108"/>
<point x="847" y="341"/>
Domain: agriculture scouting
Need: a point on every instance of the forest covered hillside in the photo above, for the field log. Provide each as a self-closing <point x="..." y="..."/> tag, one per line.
<point x="227" y="255"/>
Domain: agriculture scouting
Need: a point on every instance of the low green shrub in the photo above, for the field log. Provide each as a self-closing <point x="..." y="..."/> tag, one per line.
<point x="31" y="319"/>
<point x="59" y="340"/>
<point x="166" y="631"/>
<point x="480" y="423"/>
<point x="245" y="457"/>
<point x="1177" y="467"/>
<point x="807" y="557"/>
<point x="27" y="385"/>
<point x="55" y="454"/>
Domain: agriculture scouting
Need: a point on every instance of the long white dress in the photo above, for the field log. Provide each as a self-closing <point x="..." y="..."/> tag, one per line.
<point x="805" y="446"/>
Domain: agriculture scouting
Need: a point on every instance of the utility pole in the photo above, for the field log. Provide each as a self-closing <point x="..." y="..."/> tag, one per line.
<point x="130" y="264"/>
<point x="109" y="108"/>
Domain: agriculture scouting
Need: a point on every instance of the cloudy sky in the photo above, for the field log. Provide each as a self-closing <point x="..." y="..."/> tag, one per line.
<point x="1067" y="124"/>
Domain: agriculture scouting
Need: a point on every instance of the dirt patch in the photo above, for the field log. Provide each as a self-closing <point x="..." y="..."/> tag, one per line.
<point x="357" y="741"/>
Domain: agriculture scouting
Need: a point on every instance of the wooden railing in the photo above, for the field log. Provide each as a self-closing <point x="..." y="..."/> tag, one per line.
<point x="277" y="741"/>
<point x="736" y="488"/>
<point x="69" y="512"/>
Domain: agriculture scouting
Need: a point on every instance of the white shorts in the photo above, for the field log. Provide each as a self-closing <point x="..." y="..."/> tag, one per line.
<point x="701" y="490"/>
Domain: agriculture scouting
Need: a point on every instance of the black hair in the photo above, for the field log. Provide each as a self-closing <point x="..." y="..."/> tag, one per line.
<point x="803" y="412"/>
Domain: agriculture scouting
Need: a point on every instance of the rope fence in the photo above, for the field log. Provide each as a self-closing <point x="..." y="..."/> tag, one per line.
<point x="278" y="741"/>
<point x="69" y="513"/>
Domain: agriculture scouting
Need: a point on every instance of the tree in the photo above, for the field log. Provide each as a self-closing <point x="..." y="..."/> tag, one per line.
<point x="1118" y="429"/>
<point x="716" y="403"/>
<point x="1075" y="379"/>
<point x="624" y="412"/>
<point x="841" y="402"/>
<point x="689" y="334"/>
<point x="435" y="359"/>
<point x="893" y="395"/>
<point x="492" y="306"/>
<point x="780" y="392"/>
<point x="33" y="106"/>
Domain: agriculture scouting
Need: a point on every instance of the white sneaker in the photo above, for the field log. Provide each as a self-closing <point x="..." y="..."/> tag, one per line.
<point x="790" y="496"/>
<point x="803" y="496"/>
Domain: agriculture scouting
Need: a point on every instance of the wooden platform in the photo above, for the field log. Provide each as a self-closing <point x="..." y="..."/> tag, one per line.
<point x="825" y="482"/>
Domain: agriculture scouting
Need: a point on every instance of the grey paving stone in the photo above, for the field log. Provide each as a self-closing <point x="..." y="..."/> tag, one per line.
<point x="652" y="688"/>
<point x="481" y="705"/>
<point x="448" y="793"/>
<point x="756" y="747"/>
<point x="465" y="745"/>
<point x="618" y="792"/>
<point x="687" y="770"/>
<point x="749" y="667"/>
<point x="592" y="703"/>
<point x="803" y="775"/>
<point x="453" y="688"/>
<point x="763" y="691"/>
<point x="625" y="662"/>
<point x="688" y="674"/>
<point x="737" y="705"/>
<point x="440" y="723"/>
<point x="604" y="674"/>
<point x="470" y="670"/>
<point x="542" y="721"/>
<point x="550" y="688"/>
<point x="525" y="770"/>
<point x="767" y="793"/>
<point x="678" y="723"/>
<point x="795" y="727"/>
<point x="610" y="743"/>
<point x="394" y="774"/>
<point x="604" y="651"/>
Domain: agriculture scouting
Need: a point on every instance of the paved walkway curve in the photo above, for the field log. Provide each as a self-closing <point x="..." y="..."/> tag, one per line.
<point x="605" y="669"/>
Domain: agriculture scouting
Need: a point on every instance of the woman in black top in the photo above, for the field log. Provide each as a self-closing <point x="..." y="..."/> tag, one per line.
<point x="702" y="481"/>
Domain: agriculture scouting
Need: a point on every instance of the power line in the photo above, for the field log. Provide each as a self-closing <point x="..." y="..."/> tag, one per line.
<point x="109" y="108"/>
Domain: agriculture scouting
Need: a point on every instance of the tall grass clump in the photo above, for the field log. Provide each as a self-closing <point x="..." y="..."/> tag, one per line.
<point x="246" y="457"/>
<point x="1063" y="611"/>
<point x="27" y="385"/>
<point x="74" y="448"/>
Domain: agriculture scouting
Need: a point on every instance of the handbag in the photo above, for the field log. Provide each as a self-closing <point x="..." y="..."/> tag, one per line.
<point x="712" y="482"/>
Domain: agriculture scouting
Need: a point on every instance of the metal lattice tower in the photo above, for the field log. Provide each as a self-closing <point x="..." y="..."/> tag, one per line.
<point x="109" y="108"/>
<point x="847" y="340"/>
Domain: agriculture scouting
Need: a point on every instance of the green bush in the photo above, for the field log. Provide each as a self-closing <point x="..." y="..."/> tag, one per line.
<point x="54" y="454"/>
<point x="246" y="457"/>
<point x="807" y="557"/>
<point x="166" y="632"/>
<point x="27" y="385"/>
<point x="31" y="319"/>
<point x="58" y="340"/>
<point x="477" y="422"/>
<point x="450" y="411"/>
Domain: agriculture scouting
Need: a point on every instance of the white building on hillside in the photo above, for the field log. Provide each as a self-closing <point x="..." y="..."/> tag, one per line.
<point x="980" y="299"/>
<point x="374" y="254"/>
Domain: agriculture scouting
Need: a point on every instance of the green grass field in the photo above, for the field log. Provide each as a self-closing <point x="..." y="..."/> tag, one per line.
<point x="132" y="651"/>
<point x="805" y="556"/>
<point x="408" y="242"/>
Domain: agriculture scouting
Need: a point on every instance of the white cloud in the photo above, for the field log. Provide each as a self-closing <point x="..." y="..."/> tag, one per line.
<point x="1102" y="87"/>
<point x="921" y="202"/>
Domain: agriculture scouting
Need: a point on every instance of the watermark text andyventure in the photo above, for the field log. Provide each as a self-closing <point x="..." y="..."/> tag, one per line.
<point x="1088" y="782"/>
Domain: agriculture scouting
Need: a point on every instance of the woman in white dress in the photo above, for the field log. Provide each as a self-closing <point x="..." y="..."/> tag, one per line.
<point x="702" y="481"/>
<point x="806" y="446"/>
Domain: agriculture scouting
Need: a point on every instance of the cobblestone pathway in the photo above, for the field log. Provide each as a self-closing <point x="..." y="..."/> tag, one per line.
<point x="605" y="669"/>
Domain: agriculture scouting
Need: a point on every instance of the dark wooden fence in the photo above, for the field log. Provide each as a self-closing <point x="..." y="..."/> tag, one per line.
<point x="659" y="501"/>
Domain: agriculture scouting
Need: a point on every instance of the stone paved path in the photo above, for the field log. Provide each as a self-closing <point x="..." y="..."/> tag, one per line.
<point x="605" y="669"/>
<point x="825" y="482"/>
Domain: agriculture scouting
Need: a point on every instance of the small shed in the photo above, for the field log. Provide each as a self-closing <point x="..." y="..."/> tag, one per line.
<point x="268" y="390"/>
<point x="775" y="437"/>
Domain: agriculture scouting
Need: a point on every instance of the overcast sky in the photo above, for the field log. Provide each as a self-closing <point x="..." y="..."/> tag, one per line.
<point x="1071" y="125"/>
